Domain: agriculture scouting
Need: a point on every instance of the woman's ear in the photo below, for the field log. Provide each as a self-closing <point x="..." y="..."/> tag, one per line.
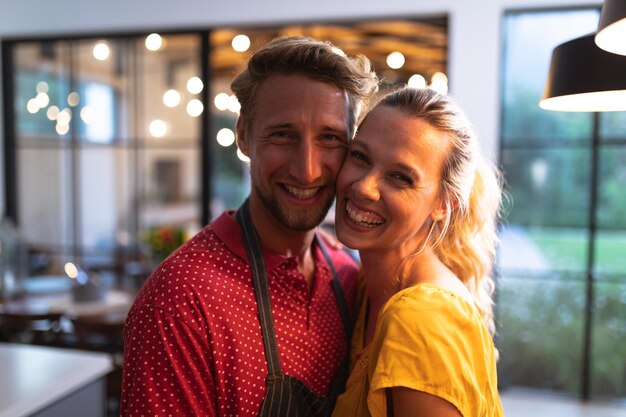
<point x="242" y="142"/>
<point x="440" y="212"/>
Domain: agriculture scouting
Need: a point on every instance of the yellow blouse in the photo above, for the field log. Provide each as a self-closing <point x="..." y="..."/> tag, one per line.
<point x="431" y="340"/>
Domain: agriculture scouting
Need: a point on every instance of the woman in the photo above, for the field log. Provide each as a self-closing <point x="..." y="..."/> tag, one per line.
<point x="417" y="201"/>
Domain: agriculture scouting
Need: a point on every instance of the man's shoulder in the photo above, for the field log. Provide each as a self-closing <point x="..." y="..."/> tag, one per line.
<point x="203" y="262"/>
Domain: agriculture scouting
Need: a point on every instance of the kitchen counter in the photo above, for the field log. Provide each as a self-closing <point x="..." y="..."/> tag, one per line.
<point x="43" y="381"/>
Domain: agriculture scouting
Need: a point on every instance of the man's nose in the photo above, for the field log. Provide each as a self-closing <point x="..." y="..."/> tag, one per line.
<point x="307" y="164"/>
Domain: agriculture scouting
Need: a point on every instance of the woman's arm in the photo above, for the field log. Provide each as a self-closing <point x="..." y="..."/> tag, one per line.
<point x="411" y="403"/>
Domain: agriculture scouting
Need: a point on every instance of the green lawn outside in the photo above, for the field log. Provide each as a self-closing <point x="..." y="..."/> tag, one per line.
<point x="567" y="249"/>
<point x="541" y="317"/>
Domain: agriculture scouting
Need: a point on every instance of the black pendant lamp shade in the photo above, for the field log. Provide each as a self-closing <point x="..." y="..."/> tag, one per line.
<point x="585" y="78"/>
<point x="611" y="34"/>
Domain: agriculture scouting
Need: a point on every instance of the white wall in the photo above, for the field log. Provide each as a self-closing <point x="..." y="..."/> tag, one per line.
<point x="474" y="28"/>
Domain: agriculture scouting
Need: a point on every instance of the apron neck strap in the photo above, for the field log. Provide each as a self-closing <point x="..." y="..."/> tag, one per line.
<point x="262" y="293"/>
<point x="261" y="287"/>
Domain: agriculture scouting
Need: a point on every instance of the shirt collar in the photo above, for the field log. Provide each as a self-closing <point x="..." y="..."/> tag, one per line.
<point x="227" y="229"/>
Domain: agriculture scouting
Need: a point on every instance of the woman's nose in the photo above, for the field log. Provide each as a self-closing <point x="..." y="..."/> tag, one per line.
<point x="367" y="188"/>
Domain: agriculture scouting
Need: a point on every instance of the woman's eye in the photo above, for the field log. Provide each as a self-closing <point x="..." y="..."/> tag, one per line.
<point x="358" y="155"/>
<point x="403" y="179"/>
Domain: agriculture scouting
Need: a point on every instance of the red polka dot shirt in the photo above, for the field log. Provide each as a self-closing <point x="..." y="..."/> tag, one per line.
<point x="193" y="344"/>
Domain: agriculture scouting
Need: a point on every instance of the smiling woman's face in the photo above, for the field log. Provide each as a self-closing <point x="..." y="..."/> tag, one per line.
<point x="388" y="188"/>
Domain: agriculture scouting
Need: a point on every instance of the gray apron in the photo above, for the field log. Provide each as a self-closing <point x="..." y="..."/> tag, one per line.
<point x="286" y="395"/>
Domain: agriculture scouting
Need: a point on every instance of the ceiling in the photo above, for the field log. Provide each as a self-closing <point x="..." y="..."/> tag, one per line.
<point x="423" y="42"/>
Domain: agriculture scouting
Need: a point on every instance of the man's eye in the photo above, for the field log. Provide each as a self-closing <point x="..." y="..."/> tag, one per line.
<point x="281" y="137"/>
<point x="330" y="136"/>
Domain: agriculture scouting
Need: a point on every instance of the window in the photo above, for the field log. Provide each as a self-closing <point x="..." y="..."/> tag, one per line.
<point x="561" y="303"/>
<point x="86" y="153"/>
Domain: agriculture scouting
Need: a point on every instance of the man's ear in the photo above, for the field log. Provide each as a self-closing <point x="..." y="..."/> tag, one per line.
<point x="242" y="142"/>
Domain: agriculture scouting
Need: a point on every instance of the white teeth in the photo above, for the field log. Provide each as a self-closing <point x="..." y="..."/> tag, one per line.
<point x="301" y="193"/>
<point x="363" y="218"/>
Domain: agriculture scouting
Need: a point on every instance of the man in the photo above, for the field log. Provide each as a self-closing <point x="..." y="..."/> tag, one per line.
<point x="250" y="316"/>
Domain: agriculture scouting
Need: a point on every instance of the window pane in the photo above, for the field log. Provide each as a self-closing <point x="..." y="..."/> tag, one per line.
<point x="538" y="252"/>
<point x="530" y="38"/>
<point x="608" y="348"/>
<point x="610" y="248"/>
<point x="540" y="332"/>
<point x="169" y="116"/>
<point x="41" y="85"/>
<point x="170" y="90"/>
<point x="612" y="126"/>
<point x="99" y="96"/>
<point x="45" y="219"/>
<point x="104" y="196"/>
<point x="229" y="176"/>
<point x="612" y="187"/>
<point x="610" y="245"/>
<point x="105" y="176"/>
<point x="548" y="187"/>
<point x="230" y="179"/>
<point x="169" y="194"/>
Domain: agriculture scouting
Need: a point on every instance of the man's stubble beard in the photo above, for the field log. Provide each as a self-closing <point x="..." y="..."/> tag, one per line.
<point x="296" y="220"/>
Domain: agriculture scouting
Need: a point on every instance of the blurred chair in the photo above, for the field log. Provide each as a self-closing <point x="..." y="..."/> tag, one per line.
<point x="38" y="328"/>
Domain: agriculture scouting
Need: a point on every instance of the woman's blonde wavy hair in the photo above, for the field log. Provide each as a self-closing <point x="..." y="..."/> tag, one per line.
<point x="466" y="239"/>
